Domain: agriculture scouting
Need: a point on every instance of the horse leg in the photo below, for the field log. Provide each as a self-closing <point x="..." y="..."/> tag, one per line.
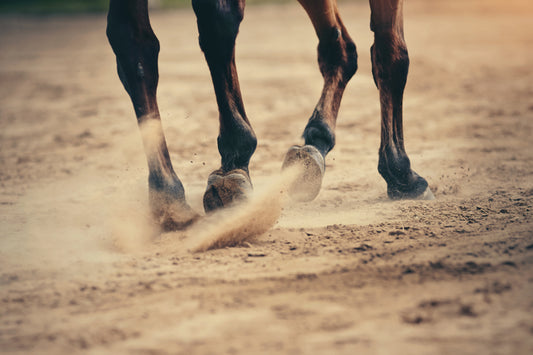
<point x="136" y="48"/>
<point x="218" y="25"/>
<point x="337" y="60"/>
<point x="390" y="63"/>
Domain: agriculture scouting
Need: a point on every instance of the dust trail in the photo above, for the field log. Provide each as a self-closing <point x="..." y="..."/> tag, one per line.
<point x="76" y="226"/>
<point x="58" y="226"/>
<point x="131" y="225"/>
<point x="244" y="222"/>
<point x="83" y="225"/>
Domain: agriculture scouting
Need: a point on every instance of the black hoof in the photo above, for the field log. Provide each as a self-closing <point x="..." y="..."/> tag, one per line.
<point x="418" y="189"/>
<point x="311" y="165"/>
<point x="225" y="189"/>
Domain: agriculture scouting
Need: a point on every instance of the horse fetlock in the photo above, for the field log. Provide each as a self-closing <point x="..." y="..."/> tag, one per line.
<point x="167" y="184"/>
<point x="318" y="134"/>
<point x="236" y="153"/>
<point x="402" y="181"/>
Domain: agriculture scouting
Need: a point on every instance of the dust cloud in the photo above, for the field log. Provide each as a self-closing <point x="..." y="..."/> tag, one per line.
<point x="78" y="224"/>
<point x="245" y="221"/>
<point x="60" y="227"/>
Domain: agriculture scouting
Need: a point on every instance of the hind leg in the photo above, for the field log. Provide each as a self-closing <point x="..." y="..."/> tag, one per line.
<point x="390" y="64"/>
<point x="337" y="60"/>
<point x="218" y="25"/>
<point x="136" y="48"/>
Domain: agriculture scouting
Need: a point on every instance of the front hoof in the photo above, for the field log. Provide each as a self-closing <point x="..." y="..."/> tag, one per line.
<point x="225" y="189"/>
<point x="418" y="190"/>
<point x="310" y="162"/>
<point x="177" y="218"/>
<point x="171" y="214"/>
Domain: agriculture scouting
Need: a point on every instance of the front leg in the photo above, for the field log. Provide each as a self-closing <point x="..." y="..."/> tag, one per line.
<point x="136" y="48"/>
<point x="218" y="26"/>
<point x="390" y="64"/>
<point x="337" y="60"/>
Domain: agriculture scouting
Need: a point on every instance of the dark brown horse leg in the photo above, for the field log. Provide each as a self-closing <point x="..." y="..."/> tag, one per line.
<point x="337" y="60"/>
<point x="136" y="48"/>
<point x="218" y="25"/>
<point x="390" y="64"/>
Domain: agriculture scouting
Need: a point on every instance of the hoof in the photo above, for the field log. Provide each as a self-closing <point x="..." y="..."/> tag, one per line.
<point x="419" y="190"/>
<point x="226" y="189"/>
<point x="310" y="162"/>
<point x="171" y="214"/>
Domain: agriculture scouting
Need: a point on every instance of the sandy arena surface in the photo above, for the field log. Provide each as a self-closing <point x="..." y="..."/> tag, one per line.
<point x="81" y="269"/>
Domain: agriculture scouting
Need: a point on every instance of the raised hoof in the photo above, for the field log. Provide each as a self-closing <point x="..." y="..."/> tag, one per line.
<point x="310" y="162"/>
<point x="171" y="215"/>
<point x="418" y="191"/>
<point x="226" y="189"/>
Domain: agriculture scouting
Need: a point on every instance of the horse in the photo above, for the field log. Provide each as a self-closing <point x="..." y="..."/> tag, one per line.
<point x="136" y="48"/>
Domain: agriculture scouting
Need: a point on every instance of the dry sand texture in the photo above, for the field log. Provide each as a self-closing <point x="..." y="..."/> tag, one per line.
<point x="82" y="269"/>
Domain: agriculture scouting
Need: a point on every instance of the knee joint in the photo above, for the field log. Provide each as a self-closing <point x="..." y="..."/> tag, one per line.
<point x="137" y="49"/>
<point x="126" y="39"/>
<point x="218" y="24"/>
<point x="390" y="59"/>
<point x="337" y="54"/>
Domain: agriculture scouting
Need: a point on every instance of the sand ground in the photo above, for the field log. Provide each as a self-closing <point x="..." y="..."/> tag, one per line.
<point x="351" y="272"/>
